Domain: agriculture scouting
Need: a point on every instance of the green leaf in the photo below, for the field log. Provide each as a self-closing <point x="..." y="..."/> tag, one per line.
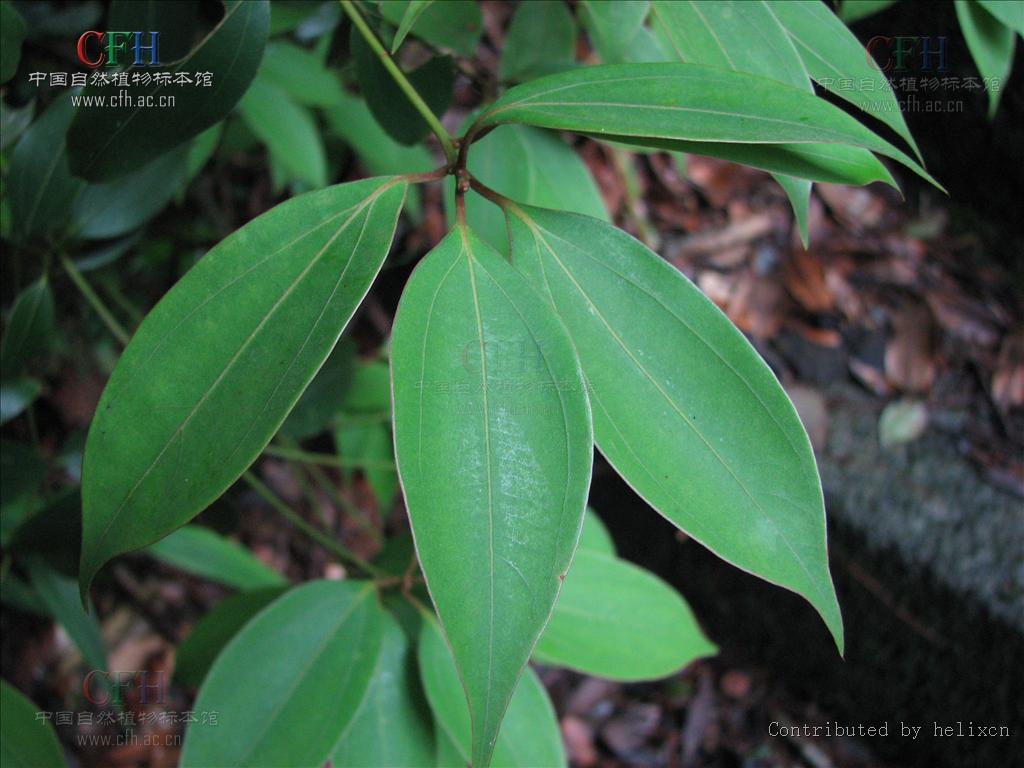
<point x="317" y="647"/>
<point x="529" y="736"/>
<point x="14" y="121"/>
<point x="288" y="130"/>
<point x="687" y="102"/>
<point x="413" y="9"/>
<point x="453" y="25"/>
<point x="16" y="395"/>
<point x="991" y="45"/>
<point x="613" y="26"/>
<point x="60" y="597"/>
<point x="832" y="54"/>
<point x="29" y="329"/>
<point x="202" y="552"/>
<point x="494" y="449"/>
<point x="1009" y="12"/>
<point x="368" y="444"/>
<point x="855" y="10"/>
<point x="23" y="469"/>
<point x="541" y="39"/>
<point x="214" y="369"/>
<point x="390" y="106"/>
<point x="105" y="143"/>
<point x="12" y="34"/>
<point x="301" y="75"/>
<point x="684" y="408"/>
<point x="200" y="648"/>
<point x="371" y="390"/>
<point x="26" y="742"/>
<point x="594" y="536"/>
<point x="618" y="621"/>
<point x="177" y="22"/>
<point x="113" y="208"/>
<point x="323" y="398"/>
<point x="39" y="185"/>
<point x="394" y="727"/>
<point x="52" y="534"/>
<point x="533" y="166"/>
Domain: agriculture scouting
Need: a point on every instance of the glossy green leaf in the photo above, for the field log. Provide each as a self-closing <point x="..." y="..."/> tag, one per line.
<point x="394" y="728"/>
<point x="288" y="130"/>
<point x="25" y="741"/>
<point x="1008" y="12"/>
<point x="613" y="26"/>
<point x="59" y="595"/>
<point x="529" y="736"/>
<point x="618" y="621"/>
<point x="200" y="648"/>
<point x="235" y="343"/>
<point x="29" y="330"/>
<point x="688" y="102"/>
<point x="39" y="186"/>
<point x="105" y="142"/>
<point x="390" y="106"/>
<point x="324" y="641"/>
<point x="16" y="395"/>
<point x="533" y="166"/>
<point x="177" y="22"/>
<point x="855" y="10"/>
<point x="12" y="33"/>
<point x="494" y="448"/>
<point x="323" y="398"/>
<point x="453" y="25"/>
<point x="413" y="9"/>
<point x="301" y="75"/>
<point x="202" y="552"/>
<point x="113" y="208"/>
<point x="367" y="444"/>
<point x="684" y="408"/>
<point x="541" y="39"/>
<point x="744" y="37"/>
<point x="833" y="55"/>
<point x="991" y="44"/>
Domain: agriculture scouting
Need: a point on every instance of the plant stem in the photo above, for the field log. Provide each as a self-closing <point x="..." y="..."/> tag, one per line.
<point x="401" y="80"/>
<point x="95" y="301"/>
<point x="338" y="549"/>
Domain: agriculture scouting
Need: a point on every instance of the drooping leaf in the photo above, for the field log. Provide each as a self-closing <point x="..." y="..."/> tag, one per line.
<point x="324" y="641"/>
<point x="613" y="26"/>
<point x="413" y="9"/>
<point x="40" y="188"/>
<point x="452" y="25"/>
<point x="688" y="102"/>
<point x="301" y="75"/>
<point x="25" y="740"/>
<point x="1009" y="12"/>
<point x="855" y="10"/>
<point x="390" y="106"/>
<point x="105" y="143"/>
<point x="541" y="39"/>
<point x="288" y="130"/>
<point x="832" y="54"/>
<point x="394" y="728"/>
<point x="29" y="330"/>
<point x="60" y="597"/>
<point x="202" y="552"/>
<point x="532" y="166"/>
<point x="661" y="360"/>
<point x="16" y="395"/>
<point x="12" y="34"/>
<point x="323" y="398"/>
<point x="618" y="621"/>
<point x="235" y="343"/>
<point x="493" y="441"/>
<point x="200" y="648"/>
<point x="991" y="44"/>
<point x="529" y="736"/>
<point x="114" y="208"/>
